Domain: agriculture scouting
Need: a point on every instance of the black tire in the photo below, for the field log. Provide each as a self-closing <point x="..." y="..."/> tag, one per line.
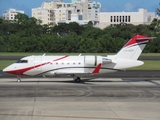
<point x="78" y="80"/>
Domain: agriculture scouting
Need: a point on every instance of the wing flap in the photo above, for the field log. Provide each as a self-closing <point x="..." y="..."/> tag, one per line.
<point x="67" y="72"/>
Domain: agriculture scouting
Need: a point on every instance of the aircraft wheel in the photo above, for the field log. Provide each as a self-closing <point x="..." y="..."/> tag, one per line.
<point x="78" y="80"/>
<point x="18" y="80"/>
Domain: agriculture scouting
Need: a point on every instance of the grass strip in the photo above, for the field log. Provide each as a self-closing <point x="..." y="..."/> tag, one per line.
<point x="148" y="65"/>
<point x="5" y="63"/>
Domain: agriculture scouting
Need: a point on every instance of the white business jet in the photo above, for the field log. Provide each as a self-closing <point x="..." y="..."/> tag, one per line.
<point x="80" y="66"/>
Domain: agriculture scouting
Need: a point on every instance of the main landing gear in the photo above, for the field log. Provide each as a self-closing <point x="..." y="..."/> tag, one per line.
<point x="18" y="79"/>
<point x="76" y="79"/>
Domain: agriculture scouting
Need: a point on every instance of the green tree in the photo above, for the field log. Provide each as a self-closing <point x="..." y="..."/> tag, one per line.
<point x="26" y="34"/>
<point x="2" y="45"/>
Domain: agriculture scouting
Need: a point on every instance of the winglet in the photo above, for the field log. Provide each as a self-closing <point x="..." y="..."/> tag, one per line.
<point x="97" y="69"/>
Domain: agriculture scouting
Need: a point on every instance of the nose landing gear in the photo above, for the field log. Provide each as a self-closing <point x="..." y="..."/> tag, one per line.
<point x="18" y="79"/>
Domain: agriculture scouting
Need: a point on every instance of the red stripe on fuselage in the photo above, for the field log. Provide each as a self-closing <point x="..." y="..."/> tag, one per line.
<point x="22" y="71"/>
<point x="60" y="58"/>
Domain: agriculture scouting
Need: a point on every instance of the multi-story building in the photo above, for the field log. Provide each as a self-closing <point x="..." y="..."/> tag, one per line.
<point x="93" y="10"/>
<point x="11" y="13"/>
<point x="135" y="18"/>
<point x="83" y="11"/>
<point x="58" y="11"/>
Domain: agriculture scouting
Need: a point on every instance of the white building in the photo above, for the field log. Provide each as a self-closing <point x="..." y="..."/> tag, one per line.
<point x="74" y="1"/>
<point x="93" y="10"/>
<point x="11" y="13"/>
<point x="58" y="11"/>
<point x="135" y="18"/>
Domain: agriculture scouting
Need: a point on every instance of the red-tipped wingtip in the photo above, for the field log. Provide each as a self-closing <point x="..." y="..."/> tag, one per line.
<point x="97" y="69"/>
<point x="137" y="39"/>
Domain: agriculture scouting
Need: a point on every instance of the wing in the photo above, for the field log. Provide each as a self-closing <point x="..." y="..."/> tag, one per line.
<point x="76" y="71"/>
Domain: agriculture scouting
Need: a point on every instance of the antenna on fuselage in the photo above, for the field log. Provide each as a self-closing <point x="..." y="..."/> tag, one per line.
<point x="80" y="54"/>
<point x="44" y="54"/>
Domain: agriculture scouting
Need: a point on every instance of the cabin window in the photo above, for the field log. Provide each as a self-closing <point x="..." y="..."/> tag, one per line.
<point x="22" y="61"/>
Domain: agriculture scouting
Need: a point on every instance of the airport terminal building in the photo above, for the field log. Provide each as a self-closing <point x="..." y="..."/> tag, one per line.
<point x="111" y="18"/>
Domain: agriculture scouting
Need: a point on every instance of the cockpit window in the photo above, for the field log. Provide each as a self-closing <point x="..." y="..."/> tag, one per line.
<point x="22" y="61"/>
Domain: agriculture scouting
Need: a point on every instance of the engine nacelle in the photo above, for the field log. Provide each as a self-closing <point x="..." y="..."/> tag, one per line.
<point x="92" y="60"/>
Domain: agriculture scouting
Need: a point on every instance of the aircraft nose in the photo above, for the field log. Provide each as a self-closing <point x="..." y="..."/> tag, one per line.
<point x="5" y="70"/>
<point x="11" y="70"/>
<point x="8" y="68"/>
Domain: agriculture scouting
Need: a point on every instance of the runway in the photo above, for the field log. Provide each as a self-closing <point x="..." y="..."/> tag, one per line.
<point x="93" y="99"/>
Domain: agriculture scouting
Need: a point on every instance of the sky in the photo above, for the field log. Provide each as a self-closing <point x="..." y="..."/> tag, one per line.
<point x="107" y="5"/>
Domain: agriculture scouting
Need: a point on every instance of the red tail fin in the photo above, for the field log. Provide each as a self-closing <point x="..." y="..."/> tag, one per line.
<point x="134" y="47"/>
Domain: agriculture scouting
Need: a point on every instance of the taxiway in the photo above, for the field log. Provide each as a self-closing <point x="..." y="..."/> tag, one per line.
<point x="93" y="99"/>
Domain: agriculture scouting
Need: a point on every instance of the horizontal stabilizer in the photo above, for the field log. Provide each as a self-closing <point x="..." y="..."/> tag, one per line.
<point x="106" y="60"/>
<point x="147" y="38"/>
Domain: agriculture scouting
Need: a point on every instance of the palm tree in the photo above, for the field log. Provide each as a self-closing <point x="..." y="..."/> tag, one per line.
<point x="158" y="11"/>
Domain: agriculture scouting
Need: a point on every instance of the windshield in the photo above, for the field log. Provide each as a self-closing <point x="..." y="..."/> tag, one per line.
<point x="22" y="61"/>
